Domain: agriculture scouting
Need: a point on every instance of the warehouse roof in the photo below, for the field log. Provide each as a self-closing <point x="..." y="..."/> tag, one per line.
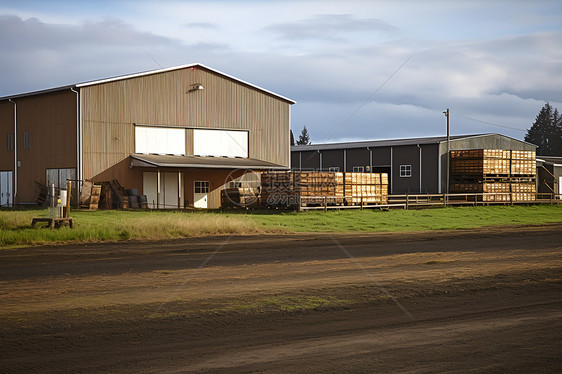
<point x="384" y="143"/>
<point x="553" y="160"/>
<point x="143" y="160"/>
<point x="141" y="74"/>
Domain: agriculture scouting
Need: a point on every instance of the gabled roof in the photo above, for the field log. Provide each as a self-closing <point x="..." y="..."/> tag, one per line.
<point x="387" y="143"/>
<point x="145" y="73"/>
<point x="378" y="143"/>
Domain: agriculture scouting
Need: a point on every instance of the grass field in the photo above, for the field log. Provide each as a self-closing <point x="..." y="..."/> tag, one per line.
<point x="97" y="226"/>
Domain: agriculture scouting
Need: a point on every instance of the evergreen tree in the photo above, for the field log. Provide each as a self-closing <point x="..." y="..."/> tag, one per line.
<point x="546" y="132"/>
<point x="304" y="138"/>
<point x="292" y="138"/>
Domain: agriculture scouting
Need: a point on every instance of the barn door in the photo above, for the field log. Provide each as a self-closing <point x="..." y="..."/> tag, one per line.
<point x="200" y="194"/>
<point x="6" y="198"/>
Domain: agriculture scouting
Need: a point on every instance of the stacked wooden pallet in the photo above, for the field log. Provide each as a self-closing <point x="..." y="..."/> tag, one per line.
<point x="312" y="188"/>
<point x="113" y="196"/>
<point x="316" y="188"/>
<point x="94" y="197"/>
<point x="501" y="175"/>
<point x="241" y="197"/>
<point x="366" y="188"/>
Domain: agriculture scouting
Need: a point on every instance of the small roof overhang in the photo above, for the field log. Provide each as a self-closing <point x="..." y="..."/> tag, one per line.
<point x="170" y="161"/>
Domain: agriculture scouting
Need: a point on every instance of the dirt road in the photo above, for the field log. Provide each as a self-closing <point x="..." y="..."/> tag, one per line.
<point x="485" y="301"/>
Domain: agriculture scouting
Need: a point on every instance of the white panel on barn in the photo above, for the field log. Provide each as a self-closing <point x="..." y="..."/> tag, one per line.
<point x="159" y="140"/>
<point x="220" y="143"/>
<point x="141" y="139"/>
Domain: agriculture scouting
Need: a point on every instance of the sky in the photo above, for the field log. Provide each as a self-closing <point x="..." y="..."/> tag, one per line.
<point x="358" y="69"/>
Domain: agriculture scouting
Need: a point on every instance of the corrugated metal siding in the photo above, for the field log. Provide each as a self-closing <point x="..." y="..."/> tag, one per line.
<point x="6" y="127"/>
<point x="111" y="109"/>
<point x="50" y="120"/>
<point x="189" y="142"/>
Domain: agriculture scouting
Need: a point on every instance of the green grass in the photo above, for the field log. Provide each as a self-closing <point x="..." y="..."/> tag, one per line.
<point x="411" y="220"/>
<point x="97" y="226"/>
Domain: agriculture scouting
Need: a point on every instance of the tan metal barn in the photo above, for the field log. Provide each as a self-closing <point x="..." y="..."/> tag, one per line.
<point x="179" y="135"/>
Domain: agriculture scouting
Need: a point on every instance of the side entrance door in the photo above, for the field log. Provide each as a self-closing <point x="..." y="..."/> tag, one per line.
<point x="6" y="198"/>
<point x="200" y="194"/>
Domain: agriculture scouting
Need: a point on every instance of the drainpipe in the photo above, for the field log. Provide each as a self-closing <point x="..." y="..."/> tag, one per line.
<point x="78" y="148"/>
<point x="320" y="153"/>
<point x="370" y="159"/>
<point x="420" y="168"/>
<point x="158" y="190"/>
<point x="15" y="193"/>
<point x="391" y="167"/>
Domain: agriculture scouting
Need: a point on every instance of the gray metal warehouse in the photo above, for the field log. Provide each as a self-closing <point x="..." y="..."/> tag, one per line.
<point x="415" y="165"/>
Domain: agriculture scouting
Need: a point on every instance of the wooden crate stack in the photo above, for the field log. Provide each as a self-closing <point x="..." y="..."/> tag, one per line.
<point x="277" y="189"/>
<point x="113" y="196"/>
<point x="241" y="197"/>
<point x="501" y="175"/>
<point x="94" y="197"/>
<point x="366" y="188"/>
<point x="316" y="188"/>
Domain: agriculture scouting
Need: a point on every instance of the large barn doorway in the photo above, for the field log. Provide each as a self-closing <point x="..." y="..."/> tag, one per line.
<point x="170" y="193"/>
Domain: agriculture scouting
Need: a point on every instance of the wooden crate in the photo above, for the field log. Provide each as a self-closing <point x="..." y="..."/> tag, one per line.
<point x="242" y="197"/>
<point x="523" y="197"/>
<point x="95" y="197"/>
<point x="305" y="187"/>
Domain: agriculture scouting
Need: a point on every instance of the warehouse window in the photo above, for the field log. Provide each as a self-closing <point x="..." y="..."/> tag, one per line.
<point x="26" y="144"/>
<point x="405" y="171"/>
<point x="358" y="169"/>
<point x="10" y="142"/>
<point x="201" y="186"/>
<point x="159" y="140"/>
<point x="334" y="169"/>
<point x="220" y="143"/>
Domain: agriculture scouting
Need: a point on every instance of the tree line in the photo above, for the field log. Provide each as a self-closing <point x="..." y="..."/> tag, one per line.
<point x="546" y="132"/>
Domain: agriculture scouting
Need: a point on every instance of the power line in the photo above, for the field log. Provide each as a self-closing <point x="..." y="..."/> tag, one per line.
<point x="501" y="126"/>
<point x="487" y="122"/>
<point x="368" y="99"/>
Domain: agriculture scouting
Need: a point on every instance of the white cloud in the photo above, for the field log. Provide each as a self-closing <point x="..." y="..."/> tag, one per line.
<point x="493" y="61"/>
<point x="335" y="27"/>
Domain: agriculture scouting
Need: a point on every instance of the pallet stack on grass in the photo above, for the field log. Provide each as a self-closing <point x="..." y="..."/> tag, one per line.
<point x="240" y="197"/>
<point x="309" y="188"/>
<point x="500" y="175"/>
<point x="366" y="188"/>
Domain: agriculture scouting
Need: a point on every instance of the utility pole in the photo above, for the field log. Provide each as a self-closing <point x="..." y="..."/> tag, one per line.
<point x="448" y="149"/>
